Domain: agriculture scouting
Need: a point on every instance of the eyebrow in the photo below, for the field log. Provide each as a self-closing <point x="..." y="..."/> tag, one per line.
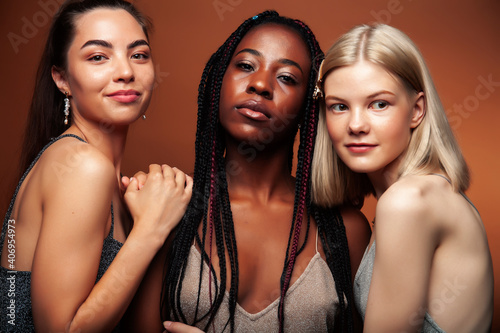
<point x="97" y="42"/>
<point x="136" y="43"/>
<point x="368" y="97"/>
<point x="283" y="61"/>
<point x="381" y="93"/>
<point x="103" y="43"/>
<point x="328" y="97"/>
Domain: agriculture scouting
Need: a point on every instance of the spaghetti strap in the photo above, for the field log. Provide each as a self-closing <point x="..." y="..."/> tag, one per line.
<point x="13" y="200"/>
<point x="461" y="193"/>
<point x="317" y="240"/>
<point x="112" y="229"/>
<point x="439" y="175"/>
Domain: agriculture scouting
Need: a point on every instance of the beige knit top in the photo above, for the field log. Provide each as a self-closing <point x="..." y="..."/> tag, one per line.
<point x="310" y="305"/>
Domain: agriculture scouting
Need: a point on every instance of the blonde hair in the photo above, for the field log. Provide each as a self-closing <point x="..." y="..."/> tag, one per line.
<point x="432" y="145"/>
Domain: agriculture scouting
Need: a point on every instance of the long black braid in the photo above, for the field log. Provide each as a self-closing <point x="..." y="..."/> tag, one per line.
<point x="210" y="202"/>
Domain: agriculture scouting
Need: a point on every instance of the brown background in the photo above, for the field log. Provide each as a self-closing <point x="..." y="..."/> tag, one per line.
<point x="459" y="39"/>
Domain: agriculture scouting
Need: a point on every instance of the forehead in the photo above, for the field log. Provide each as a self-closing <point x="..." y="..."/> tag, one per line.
<point x="365" y="75"/>
<point x="107" y="23"/>
<point x="276" y="39"/>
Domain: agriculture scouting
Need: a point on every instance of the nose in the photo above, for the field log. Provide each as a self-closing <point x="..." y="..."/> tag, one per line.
<point x="124" y="71"/>
<point x="358" y="122"/>
<point x="261" y="84"/>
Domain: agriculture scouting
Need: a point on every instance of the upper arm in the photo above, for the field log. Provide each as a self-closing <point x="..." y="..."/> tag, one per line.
<point x="76" y="208"/>
<point x="405" y="242"/>
<point x="358" y="234"/>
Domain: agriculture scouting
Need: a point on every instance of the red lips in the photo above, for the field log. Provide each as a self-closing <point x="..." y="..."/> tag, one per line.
<point x="125" y="96"/>
<point x="360" y="147"/>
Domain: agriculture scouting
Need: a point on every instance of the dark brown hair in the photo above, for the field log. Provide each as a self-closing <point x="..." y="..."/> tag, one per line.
<point x="45" y="117"/>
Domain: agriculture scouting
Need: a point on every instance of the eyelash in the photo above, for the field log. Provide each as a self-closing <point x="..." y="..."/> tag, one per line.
<point x="386" y="104"/>
<point x="245" y="66"/>
<point x="94" y="58"/>
<point x="101" y="57"/>
<point x="142" y="56"/>
<point x="288" y="79"/>
<point x="333" y="107"/>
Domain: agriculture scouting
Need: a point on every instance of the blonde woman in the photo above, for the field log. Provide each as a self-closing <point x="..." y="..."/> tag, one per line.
<point x="383" y="130"/>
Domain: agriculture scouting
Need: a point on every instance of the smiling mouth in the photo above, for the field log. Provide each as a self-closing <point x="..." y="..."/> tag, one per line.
<point x="360" y="148"/>
<point x="125" y="96"/>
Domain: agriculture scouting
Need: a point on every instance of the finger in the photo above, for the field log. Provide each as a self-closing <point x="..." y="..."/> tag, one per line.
<point x="180" y="178"/>
<point x="176" y="327"/>
<point x="125" y="181"/>
<point x="155" y="168"/>
<point x="169" y="326"/>
<point x="133" y="185"/>
<point x="141" y="178"/>
<point x="168" y="172"/>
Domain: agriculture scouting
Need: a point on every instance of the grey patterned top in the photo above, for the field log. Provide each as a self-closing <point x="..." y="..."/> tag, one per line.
<point x="15" y="286"/>
<point x="362" y="287"/>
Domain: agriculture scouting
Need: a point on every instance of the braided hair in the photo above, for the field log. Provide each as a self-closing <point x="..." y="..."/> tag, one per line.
<point x="210" y="202"/>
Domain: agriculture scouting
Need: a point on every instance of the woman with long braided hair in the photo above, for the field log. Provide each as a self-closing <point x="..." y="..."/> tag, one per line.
<point x="252" y="253"/>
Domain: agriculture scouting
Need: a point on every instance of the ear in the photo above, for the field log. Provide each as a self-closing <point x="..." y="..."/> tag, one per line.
<point x="418" y="111"/>
<point x="59" y="77"/>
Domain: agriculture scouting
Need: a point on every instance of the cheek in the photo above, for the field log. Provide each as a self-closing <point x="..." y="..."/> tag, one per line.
<point x="228" y="90"/>
<point x="290" y="103"/>
<point x="396" y="130"/>
<point x="148" y="76"/>
<point x="88" y="80"/>
<point x="334" y="127"/>
<point x="224" y="97"/>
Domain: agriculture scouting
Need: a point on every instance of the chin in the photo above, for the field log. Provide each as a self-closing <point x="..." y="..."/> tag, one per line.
<point x="361" y="170"/>
<point x="357" y="168"/>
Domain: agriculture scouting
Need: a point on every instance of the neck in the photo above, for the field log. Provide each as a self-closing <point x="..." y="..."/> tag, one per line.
<point x="109" y="140"/>
<point x="382" y="179"/>
<point x="262" y="175"/>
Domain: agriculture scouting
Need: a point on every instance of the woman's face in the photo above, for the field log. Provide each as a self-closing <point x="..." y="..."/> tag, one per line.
<point x="370" y="116"/>
<point x="110" y="73"/>
<point x="264" y="86"/>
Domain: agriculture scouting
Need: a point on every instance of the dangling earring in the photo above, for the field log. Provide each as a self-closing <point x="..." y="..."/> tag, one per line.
<point x="66" y="108"/>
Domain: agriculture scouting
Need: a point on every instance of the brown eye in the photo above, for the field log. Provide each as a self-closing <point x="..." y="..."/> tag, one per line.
<point x="379" y="105"/>
<point x="245" y="66"/>
<point x="288" y="79"/>
<point x="97" y="58"/>
<point x="140" y="56"/>
<point x="338" y="107"/>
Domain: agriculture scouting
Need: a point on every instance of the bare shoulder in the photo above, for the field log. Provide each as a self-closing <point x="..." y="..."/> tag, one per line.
<point x="412" y="205"/>
<point x="69" y="160"/>
<point x="78" y="174"/>
<point x="416" y="194"/>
